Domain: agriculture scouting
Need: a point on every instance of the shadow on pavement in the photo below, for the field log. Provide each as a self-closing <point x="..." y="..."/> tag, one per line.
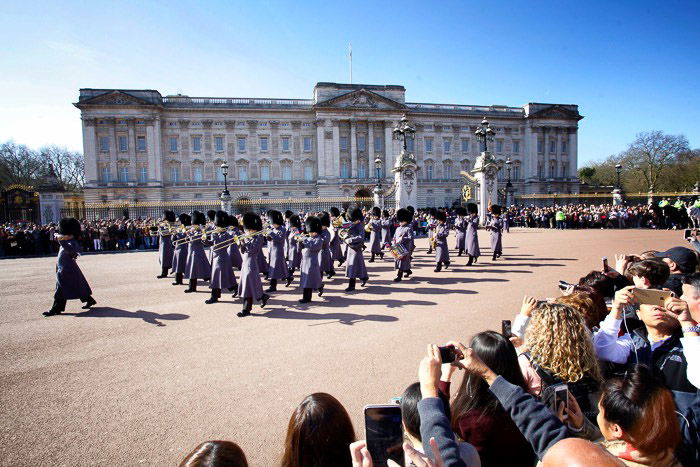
<point x="109" y="312"/>
<point x="342" y="318"/>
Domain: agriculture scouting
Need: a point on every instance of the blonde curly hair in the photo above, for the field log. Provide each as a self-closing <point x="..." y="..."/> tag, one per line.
<point x="560" y="342"/>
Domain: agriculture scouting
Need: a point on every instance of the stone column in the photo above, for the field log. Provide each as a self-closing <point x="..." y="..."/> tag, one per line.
<point x="336" y="147"/>
<point x="321" y="161"/>
<point x="153" y="159"/>
<point x="133" y="168"/>
<point x="388" y="145"/>
<point x="353" y="148"/>
<point x="157" y="147"/>
<point x="573" y="152"/>
<point x="90" y="151"/>
<point x="113" y="151"/>
<point x="370" y="148"/>
<point x="558" y="152"/>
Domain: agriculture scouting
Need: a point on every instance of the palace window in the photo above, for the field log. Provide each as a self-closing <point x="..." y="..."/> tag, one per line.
<point x="343" y="143"/>
<point x="308" y="173"/>
<point x="175" y="174"/>
<point x="465" y="145"/>
<point x="307" y="125"/>
<point x="361" y="142"/>
<point x="106" y="175"/>
<point x="307" y="143"/>
<point x="540" y="170"/>
<point x="448" y="171"/>
<point x="516" y="147"/>
<point x="173" y="144"/>
<point x="104" y="143"/>
<point x="242" y="173"/>
<point x="499" y="146"/>
<point x="141" y="143"/>
<point x="344" y="169"/>
<point x="516" y="172"/>
<point x="563" y="146"/>
<point x="241" y="144"/>
<point x="285" y="144"/>
<point x="124" y="174"/>
<point x="265" y="173"/>
<point x="219" y="143"/>
<point x="361" y="170"/>
<point x="428" y="144"/>
<point x="552" y="147"/>
<point x="263" y="143"/>
<point x="377" y="143"/>
<point x="197" y="174"/>
<point x="219" y="174"/>
<point x="143" y="174"/>
<point x="196" y="143"/>
<point x="540" y="146"/>
<point x="563" y="169"/>
<point x="429" y="171"/>
<point x="286" y="172"/>
<point x="123" y="144"/>
<point x="552" y="169"/>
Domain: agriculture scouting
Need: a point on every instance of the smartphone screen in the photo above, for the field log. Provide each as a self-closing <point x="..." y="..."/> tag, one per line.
<point x="606" y="268"/>
<point x="561" y="396"/>
<point x="447" y="354"/>
<point x="505" y="328"/>
<point x="384" y="434"/>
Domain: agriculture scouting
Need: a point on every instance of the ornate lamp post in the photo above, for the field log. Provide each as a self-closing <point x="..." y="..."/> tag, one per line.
<point x="509" y="185"/>
<point x="485" y="169"/>
<point x="617" y="192"/>
<point x="403" y="131"/>
<point x="225" y="195"/>
<point x="378" y="198"/>
<point x="484" y="134"/>
<point x="405" y="167"/>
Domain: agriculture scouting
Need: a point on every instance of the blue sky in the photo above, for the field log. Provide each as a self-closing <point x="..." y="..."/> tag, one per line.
<point x="631" y="66"/>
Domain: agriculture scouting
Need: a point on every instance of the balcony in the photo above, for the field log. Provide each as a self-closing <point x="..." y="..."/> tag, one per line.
<point x="235" y="102"/>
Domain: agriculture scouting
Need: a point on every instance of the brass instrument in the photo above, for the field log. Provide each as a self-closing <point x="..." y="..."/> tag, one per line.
<point x="338" y="221"/>
<point x="433" y="243"/>
<point x="300" y="237"/>
<point x="237" y="239"/>
<point x="368" y="227"/>
<point x="163" y="228"/>
<point x="194" y="236"/>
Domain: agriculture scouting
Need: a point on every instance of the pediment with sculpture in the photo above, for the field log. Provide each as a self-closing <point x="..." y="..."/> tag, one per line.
<point x="115" y="98"/>
<point x="361" y="99"/>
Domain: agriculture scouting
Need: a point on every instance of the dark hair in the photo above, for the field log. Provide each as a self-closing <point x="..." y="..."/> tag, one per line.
<point x="319" y="433"/>
<point x="692" y="280"/>
<point x="409" y="410"/>
<point x="643" y="407"/>
<point x="497" y="353"/>
<point x="599" y="282"/>
<point x="214" y="454"/>
<point x="588" y="302"/>
<point x="653" y="269"/>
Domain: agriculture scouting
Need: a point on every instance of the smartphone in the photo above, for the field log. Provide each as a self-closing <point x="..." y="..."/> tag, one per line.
<point x="561" y="395"/>
<point x="652" y="296"/>
<point x="384" y="434"/>
<point x="563" y="285"/>
<point x="687" y="233"/>
<point x="606" y="268"/>
<point x="505" y="328"/>
<point x="447" y="354"/>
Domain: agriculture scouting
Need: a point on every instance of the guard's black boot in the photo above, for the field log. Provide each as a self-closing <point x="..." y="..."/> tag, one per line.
<point x="494" y="257"/>
<point x="331" y="273"/>
<point x="247" y="306"/>
<point x="89" y="302"/>
<point x="399" y="276"/>
<point x="290" y="278"/>
<point x="320" y="290"/>
<point x="192" y="287"/>
<point x="447" y="264"/>
<point x="408" y="273"/>
<point x="306" y="297"/>
<point x="471" y="260"/>
<point x="178" y="278"/>
<point x="364" y="281"/>
<point x="438" y="268"/>
<point x="215" y="294"/>
<point x="163" y="273"/>
<point x="351" y="285"/>
<point x="381" y="255"/>
<point x="273" y="286"/>
<point x="475" y="258"/>
<point x="371" y="260"/>
<point x="58" y="307"/>
<point x="235" y="290"/>
<point x="263" y="300"/>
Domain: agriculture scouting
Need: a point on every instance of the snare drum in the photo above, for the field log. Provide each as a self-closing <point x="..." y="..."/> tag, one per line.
<point x="398" y="251"/>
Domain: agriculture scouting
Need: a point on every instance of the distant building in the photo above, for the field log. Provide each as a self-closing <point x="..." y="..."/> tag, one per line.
<point x="142" y="146"/>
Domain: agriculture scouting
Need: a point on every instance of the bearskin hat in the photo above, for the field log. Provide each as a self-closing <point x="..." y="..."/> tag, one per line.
<point x="221" y="219"/>
<point x="472" y="208"/>
<point x="385" y="213"/>
<point x="356" y="214"/>
<point x="411" y="209"/>
<point x="185" y="219"/>
<point x="252" y="221"/>
<point x="232" y="221"/>
<point x="496" y="210"/>
<point x="275" y="217"/>
<point x="169" y="215"/>
<point x="404" y="215"/>
<point x="376" y="212"/>
<point x="198" y="218"/>
<point x="288" y="214"/>
<point x="433" y="212"/>
<point x="69" y="226"/>
<point x="313" y="224"/>
<point x="211" y="214"/>
<point x="325" y="219"/>
<point x="295" y="221"/>
<point x="441" y="216"/>
<point x="335" y="212"/>
<point x="461" y="211"/>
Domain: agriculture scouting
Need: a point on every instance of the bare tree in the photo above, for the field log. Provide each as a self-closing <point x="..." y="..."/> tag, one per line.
<point x="18" y="164"/>
<point x="650" y="153"/>
<point x="69" y="166"/>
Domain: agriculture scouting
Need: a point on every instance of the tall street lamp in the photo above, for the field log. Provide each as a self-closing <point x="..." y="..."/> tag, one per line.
<point x="378" y="198"/>
<point x="225" y="195"/>
<point x="484" y="134"/>
<point x="509" y="185"/>
<point x="224" y="171"/>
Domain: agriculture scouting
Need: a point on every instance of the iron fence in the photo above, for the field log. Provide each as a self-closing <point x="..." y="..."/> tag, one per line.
<point x="551" y="199"/>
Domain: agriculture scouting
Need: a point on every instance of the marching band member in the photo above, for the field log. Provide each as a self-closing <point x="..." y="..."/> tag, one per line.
<point x="222" y="276"/>
<point x="165" y="247"/>
<point x="198" y="266"/>
<point x="472" y="238"/>
<point x="496" y="228"/>
<point x="311" y="277"/>
<point x="275" y="246"/>
<point x="180" y="249"/>
<point x="287" y="225"/>
<point x="211" y="215"/>
<point x="355" y="240"/>
<point x="250" y="286"/>
<point x="387" y="222"/>
<point x="345" y="246"/>
<point x="442" y="231"/>
<point x="375" y="236"/>
<point x="233" y="251"/>
<point x="415" y="223"/>
<point x="460" y="229"/>
<point x="70" y="282"/>
<point x="431" y="229"/>
<point x="324" y="256"/>
<point x="404" y="236"/>
<point x="293" y="248"/>
<point x="336" y="250"/>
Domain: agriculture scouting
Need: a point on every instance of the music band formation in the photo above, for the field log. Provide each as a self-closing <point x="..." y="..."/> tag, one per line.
<point x="226" y="252"/>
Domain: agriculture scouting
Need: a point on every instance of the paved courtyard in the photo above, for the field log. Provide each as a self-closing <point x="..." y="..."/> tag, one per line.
<point x="150" y="372"/>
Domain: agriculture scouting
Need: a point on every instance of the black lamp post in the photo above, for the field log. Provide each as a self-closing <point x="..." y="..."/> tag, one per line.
<point x="484" y="134"/>
<point x="618" y="168"/>
<point x="224" y="171"/>
<point x="378" y="188"/>
<point x="509" y="185"/>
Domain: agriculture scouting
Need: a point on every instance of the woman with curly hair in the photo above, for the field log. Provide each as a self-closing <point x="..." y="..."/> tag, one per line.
<point x="588" y="302"/>
<point x="559" y="349"/>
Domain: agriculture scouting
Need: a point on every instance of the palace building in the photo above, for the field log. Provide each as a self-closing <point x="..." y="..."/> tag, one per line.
<point x="141" y="146"/>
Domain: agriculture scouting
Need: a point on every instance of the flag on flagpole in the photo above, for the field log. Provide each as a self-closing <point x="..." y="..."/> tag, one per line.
<point x="350" y="45"/>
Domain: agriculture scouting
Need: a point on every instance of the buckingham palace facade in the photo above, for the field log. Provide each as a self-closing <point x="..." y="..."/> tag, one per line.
<point x="141" y="146"/>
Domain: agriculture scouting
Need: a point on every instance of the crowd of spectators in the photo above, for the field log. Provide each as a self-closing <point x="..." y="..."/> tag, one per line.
<point x="608" y="373"/>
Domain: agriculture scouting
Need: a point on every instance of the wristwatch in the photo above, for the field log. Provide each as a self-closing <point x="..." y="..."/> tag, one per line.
<point x="695" y="328"/>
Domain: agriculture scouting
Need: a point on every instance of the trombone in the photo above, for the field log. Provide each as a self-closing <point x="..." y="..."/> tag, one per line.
<point x="237" y="239"/>
<point x="194" y="236"/>
<point x="163" y="228"/>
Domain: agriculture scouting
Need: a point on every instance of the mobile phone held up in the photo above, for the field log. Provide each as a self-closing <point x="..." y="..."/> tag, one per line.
<point x="563" y="285"/>
<point x="447" y="354"/>
<point x="606" y="267"/>
<point x="384" y="434"/>
<point x="652" y="296"/>
<point x="506" y="328"/>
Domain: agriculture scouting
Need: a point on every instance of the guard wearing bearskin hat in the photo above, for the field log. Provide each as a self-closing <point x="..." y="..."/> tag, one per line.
<point x="70" y="282"/>
<point x="404" y="236"/>
<point x="222" y="276"/>
<point x="197" y="266"/>
<point x="275" y="246"/>
<point x="375" y="236"/>
<point x="442" y="231"/>
<point x="460" y="229"/>
<point x="336" y="250"/>
<point x="250" y="286"/>
<point x="496" y="228"/>
<point x="387" y="224"/>
<point x="293" y="247"/>
<point x="355" y="240"/>
<point x="311" y="277"/>
<point x="180" y="249"/>
<point x="324" y="256"/>
<point x="432" y="224"/>
<point x="233" y="251"/>
<point x="165" y="247"/>
<point x="472" y="238"/>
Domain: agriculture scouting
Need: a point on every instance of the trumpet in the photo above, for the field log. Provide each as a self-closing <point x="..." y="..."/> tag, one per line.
<point x="163" y="228"/>
<point x="368" y="227"/>
<point x="300" y="237"/>
<point x="194" y="236"/>
<point x="338" y="221"/>
<point x="237" y="239"/>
